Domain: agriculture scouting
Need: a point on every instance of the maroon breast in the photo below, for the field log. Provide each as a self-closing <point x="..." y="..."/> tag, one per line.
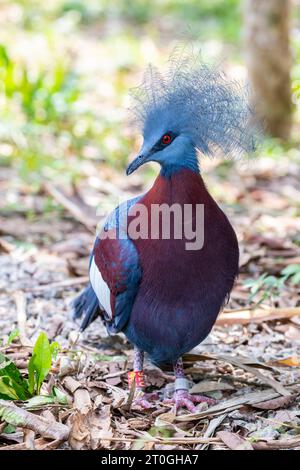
<point x="182" y="291"/>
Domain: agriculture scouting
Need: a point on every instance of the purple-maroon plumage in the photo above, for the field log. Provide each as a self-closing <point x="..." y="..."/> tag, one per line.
<point x="182" y="291"/>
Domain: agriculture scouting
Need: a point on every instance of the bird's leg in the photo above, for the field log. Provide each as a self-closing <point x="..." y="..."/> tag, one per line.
<point x="182" y="398"/>
<point x="142" y="399"/>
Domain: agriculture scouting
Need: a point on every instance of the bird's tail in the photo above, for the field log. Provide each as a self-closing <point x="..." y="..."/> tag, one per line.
<point x="86" y="306"/>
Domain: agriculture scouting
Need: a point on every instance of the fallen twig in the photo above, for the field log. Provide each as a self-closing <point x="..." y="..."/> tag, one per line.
<point x="74" y="208"/>
<point x="6" y="246"/>
<point x="18" y="417"/>
<point x="60" y="284"/>
<point x="20" y="301"/>
<point x="256" y="315"/>
<point x="167" y="440"/>
<point x="277" y="445"/>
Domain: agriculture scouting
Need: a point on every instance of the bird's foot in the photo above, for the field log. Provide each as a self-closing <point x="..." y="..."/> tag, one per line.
<point x="145" y="400"/>
<point x="141" y="399"/>
<point x="184" y="399"/>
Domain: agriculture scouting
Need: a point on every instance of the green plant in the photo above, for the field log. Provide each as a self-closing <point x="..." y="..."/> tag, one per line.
<point x="12" y="385"/>
<point x="292" y="272"/>
<point x="43" y="96"/>
<point x="40" y="363"/>
<point x="269" y="287"/>
<point x="13" y="335"/>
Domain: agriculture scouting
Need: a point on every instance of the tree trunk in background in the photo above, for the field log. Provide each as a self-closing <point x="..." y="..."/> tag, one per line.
<point x="268" y="58"/>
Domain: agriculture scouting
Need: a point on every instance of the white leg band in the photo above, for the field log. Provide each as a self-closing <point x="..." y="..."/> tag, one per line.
<point x="181" y="384"/>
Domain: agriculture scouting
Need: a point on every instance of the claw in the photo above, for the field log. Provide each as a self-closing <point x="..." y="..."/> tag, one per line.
<point x="183" y="399"/>
<point x="143" y="400"/>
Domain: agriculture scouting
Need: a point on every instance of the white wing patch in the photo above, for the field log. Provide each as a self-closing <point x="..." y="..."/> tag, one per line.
<point x="100" y="287"/>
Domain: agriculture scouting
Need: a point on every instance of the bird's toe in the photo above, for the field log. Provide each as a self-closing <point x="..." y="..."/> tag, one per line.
<point x="203" y="399"/>
<point x="145" y="400"/>
<point x="183" y="399"/>
<point x="189" y="405"/>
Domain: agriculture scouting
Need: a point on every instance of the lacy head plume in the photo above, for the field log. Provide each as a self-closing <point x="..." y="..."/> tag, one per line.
<point x="199" y="101"/>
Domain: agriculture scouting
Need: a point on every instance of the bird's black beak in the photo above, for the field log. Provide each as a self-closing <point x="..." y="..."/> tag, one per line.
<point x="136" y="163"/>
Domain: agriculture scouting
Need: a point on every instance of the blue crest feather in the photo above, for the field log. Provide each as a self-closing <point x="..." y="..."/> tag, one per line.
<point x="199" y="100"/>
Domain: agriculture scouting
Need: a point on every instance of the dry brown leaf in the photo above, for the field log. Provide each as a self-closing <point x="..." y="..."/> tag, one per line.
<point x="119" y="395"/>
<point x="166" y="417"/>
<point x="82" y="401"/>
<point x="274" y="404"/>
<point x="138" y="423"/>
<point x="68" y="365"/>
<point x="29" y="439"/>
<point x="243" y="363"/>
<point x="293" y="333"/>
<point x="39" y="444"/>
<point x="88" y="431"/>
<point x="210" y="386"/>
<point x="100" y="423"/>
<point x="292" y="361"/>
<point x="234" y="441"/>
<point x="286" y="416"/>
<point x="211" y="428"/>
<point x="231" y="404"/>
<point x="55" y="326"/>
<point x="114" y="380"/>
<point x="156" y="378"/>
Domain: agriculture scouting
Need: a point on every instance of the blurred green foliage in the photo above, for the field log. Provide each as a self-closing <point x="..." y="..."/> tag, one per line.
<point x="44" y="130"/>
<point x="269" y="287"/>
<point x="37" y="105"/>
<point x="212" y="18"/>
<point x="66" y="67"/>
<point x="44" y="97"/>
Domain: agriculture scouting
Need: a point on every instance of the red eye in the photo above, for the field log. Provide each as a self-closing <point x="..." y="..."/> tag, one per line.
<point x="166" y="139"/>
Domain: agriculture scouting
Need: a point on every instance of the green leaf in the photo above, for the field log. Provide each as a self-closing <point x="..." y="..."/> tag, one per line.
<point x="54" y="348"/>
<point x="14" y="334"/>
<point x="12" y="385"/>
<point x="42" y="400"/>
<point x="295" y="279"/>
<point x="291" y="269"/>
<point x="31" y="376"/>
<point x="60" y="396"/>
<point x="6" y="391"/>
<point x="39" y="364"/>
<point x="39" y="401"/>
<point x="9" y="429"/>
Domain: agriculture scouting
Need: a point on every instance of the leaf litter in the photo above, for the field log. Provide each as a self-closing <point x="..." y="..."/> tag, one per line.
<point x="76" y="396"/>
